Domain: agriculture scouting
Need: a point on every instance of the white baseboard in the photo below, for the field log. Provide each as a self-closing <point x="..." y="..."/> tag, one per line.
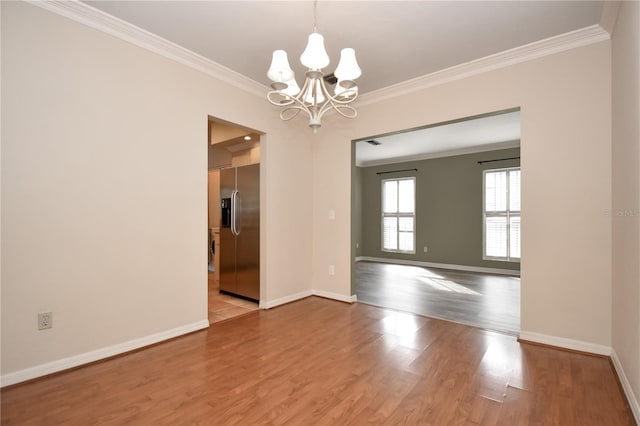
<point x="286" y="299"/>
<point x="334" y="296"/>
<point x="626" y="386"/>
<point x="297" y="296"/>
<point x="561" y="342"/>
<point x="87" y="357"/>
<point x="440" y="265"/>
<point x="92" y="356"/>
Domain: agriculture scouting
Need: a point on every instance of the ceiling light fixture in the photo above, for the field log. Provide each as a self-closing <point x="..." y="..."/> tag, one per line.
<point x="314" y="97"/>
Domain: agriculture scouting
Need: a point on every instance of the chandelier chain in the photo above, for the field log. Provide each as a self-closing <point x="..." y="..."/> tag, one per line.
<point x="315" y="16"/>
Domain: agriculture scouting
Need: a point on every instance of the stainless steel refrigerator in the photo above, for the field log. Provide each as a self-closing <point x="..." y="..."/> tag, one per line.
<point x="240" y="231"/>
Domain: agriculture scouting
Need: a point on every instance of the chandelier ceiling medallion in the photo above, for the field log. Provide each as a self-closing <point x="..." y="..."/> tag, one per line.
<point x="314" y="98"/>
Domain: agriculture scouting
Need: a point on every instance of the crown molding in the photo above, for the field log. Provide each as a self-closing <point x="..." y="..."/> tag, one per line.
<point x="571" y="40"/>
<point x="99" y="20"/>
<point x="449" y="153"/>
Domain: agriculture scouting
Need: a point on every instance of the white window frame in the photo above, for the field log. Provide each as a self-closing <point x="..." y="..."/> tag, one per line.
<point x="398" y="215"/>
<point x="508" y="213"/>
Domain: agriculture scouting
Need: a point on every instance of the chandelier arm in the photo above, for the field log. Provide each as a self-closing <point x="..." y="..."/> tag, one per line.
<point x="299" y="104"/>
<point x="321" y="109"/>
<point x="296" y="110"/>
<point x="333" y="101"/>
<point x="350" y="112"/>
<point x="292" y="105"/>
<point x="338" y="105"/>
<point x="345" y="94"/>
<point x="288" y="99"/>
<point x="346" y="101"/>
<point x="292" y="102"/>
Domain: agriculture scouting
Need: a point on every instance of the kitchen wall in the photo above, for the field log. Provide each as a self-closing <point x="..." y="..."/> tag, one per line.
<point x="625" y="207"/>
<point x="565" y="101"/>
<point x="246" y="157"/>
<point x="213" y="188"/>
<point x="227" y="147"/>
<point x="104" y="193"/>
<point x="448" y="208"/>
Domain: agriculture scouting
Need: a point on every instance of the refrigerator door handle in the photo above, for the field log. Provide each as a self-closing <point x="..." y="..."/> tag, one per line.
<point x="234" y="213"/>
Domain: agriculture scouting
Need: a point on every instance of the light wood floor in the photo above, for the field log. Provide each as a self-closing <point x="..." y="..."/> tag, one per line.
<point x="317" y="361"/>
<point x="223" y="306"/>
<point x="481" y="300"/>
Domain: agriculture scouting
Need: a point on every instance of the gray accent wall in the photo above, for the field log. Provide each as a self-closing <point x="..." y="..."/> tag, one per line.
<point x="448" y="208"/>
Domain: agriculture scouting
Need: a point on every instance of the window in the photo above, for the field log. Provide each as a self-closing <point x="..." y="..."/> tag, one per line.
<point x="502" y="214"/>
<point x="399" y="215"/>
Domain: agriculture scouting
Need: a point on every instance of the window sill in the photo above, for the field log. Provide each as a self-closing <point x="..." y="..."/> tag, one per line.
<point x="501" y="259"/>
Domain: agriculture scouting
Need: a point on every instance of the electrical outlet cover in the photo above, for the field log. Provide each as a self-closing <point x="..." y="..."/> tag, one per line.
<point x="45" y="320"/>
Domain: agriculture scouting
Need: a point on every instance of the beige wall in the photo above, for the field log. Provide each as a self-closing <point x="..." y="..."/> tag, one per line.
<point x="566" y="181"/>
<point x="625" y="210"/>
<point x="332" y="191"/>
<point x="104" y="189"/>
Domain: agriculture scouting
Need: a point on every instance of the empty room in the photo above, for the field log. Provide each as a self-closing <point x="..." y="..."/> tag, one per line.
<point x="124" y="213"/>
<point x="436" y="213"/>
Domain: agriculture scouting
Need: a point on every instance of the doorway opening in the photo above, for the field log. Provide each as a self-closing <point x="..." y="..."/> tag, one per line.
<point x="233" y="211"/>
<point x="436" y="221"/>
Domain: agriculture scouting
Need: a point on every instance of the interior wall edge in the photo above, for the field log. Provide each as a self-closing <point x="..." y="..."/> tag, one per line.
<point x="626" y="385"/>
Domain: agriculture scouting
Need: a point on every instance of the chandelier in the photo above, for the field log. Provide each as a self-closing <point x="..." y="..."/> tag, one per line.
<point x="314" y="98"/>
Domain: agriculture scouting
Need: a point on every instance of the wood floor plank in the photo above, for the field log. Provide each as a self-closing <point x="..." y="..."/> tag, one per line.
<point x="482" y="300"/>
<point x="320" y="362"/>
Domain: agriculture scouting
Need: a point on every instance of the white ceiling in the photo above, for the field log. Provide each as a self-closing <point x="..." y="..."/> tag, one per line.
<point x="395" y="41"/>
<point x="461" y="137"/>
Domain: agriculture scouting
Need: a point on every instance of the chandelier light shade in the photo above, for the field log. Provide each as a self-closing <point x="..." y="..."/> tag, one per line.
<point x="280" y="70"/>
<point x="315" y="56"/>
<point x="314" y="98"/>
<point x="348" y="68"/>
